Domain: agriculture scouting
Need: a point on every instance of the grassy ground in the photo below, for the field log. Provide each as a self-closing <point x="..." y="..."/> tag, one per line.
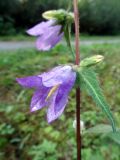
<point x="19" y="37"/>
<point x="26" y="136"/>
<point x="22" y="37"/>
<point x="94" y="37"/>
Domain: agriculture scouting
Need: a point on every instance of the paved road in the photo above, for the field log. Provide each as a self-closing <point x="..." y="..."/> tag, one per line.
<point x="28" y="44"/>
<point x="16" y="45"/>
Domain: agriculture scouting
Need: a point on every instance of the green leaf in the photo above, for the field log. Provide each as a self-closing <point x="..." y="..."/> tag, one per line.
<point x="115" y="137"/>
<point x="99" y="129"/>
<point x="88" y="81"/>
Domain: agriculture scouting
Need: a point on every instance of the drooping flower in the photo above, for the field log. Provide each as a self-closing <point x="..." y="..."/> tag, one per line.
<point x="51" y="89"/>
<point x="48" y="34"/>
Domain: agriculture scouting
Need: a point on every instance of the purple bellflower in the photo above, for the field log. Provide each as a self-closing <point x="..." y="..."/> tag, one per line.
<point x="51" y="89"/>
<point x="48" y="34"/>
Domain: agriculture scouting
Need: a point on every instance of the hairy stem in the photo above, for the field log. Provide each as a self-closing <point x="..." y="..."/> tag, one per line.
<point x="76" y="15"/>
<point x="77" y="61"/>
<point x="78" y="136"/>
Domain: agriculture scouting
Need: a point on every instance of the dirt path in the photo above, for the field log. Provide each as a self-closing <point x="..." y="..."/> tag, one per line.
<point x="28" y="44"/>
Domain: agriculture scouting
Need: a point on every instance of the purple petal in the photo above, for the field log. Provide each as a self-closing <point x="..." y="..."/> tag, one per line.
<point x="39" y="99"/>
<point x="60" y="99"/>
<point x="51" y="114"/>
<point x="56" y="40"/>
<point x="57" y="76"/>
<point x="62" y="96"/>
<point x="50" y="38"/>
<point x="30" y="82"/>
<point x="40" y="28"/>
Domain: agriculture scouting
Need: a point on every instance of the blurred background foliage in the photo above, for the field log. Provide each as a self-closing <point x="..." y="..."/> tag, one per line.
<point x="97" y="17"/>
<point x="100" y="16"/>
<point x="28" y="136"/>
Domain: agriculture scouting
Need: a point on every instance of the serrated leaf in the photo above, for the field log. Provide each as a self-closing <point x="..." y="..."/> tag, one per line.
<point x="88" y="81"/>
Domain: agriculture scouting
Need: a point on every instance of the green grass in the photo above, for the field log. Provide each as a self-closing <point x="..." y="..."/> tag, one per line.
<point x="26" y="135"/>
<point x="95" y="37"/>
<point x="23" y="37"/>
<point x="18" y="37"/>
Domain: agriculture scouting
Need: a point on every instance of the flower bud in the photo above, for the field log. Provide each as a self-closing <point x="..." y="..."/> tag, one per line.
<point x="81" y="125"/>
<point x="59" y="15"/>
<point x="88" y="62"/>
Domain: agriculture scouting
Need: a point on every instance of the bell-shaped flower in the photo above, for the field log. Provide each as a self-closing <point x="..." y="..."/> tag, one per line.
<point x="51" y="89"/>
<point x="48" y="34"/>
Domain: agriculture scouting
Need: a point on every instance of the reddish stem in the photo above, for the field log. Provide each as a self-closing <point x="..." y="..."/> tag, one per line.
<point x="77" y="61"/>
<point x="78" y="136"/>
<point x="76" y="15"/>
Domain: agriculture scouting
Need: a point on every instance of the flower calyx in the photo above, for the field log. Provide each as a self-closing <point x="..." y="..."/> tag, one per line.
<point x="59" y="15"/>
<point x="91" y="61"/>
<point x="87" y="62"/>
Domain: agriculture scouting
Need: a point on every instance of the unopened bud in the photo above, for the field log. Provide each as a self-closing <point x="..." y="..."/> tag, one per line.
<point x="59" y="15"/>
<point x="88" y="62"/>
<point x="82" y="127"/>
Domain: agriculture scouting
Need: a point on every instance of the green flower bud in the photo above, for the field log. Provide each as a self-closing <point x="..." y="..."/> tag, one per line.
<point x="59" y="15"/>
<point x="88" y="62"/>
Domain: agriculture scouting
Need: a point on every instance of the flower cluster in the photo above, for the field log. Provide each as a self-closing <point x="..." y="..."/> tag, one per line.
<point x="51" y="88"/>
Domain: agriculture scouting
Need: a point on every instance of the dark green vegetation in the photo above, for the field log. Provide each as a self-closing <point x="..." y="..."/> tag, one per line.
<point x="100" y="16"/>
<point x="97" y="17"/>
<point x="22" y="37"/>
<point x="28" y="136"/>
<point x="16" y="15"/>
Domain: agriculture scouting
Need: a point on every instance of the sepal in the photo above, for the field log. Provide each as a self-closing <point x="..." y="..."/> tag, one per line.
<point x="59" y="15"/>
<point x="91" y="61"/>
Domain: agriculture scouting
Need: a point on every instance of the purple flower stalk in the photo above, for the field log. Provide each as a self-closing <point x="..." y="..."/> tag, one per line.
<point x="51" y="89"/>
<point x="48" y="34"/>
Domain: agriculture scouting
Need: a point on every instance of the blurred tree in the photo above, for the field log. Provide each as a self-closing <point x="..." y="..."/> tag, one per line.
<point x="100" y="17"/>
<point x="8" y="10"/>
<point x="9" y="7"/>
<point x="31" y="11"/>
<point x="97" y="17"/>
